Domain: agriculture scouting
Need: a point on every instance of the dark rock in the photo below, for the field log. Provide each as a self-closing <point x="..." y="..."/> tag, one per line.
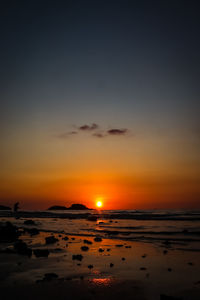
<point x="66" y="238"/>
<point x="169" y="269"/>
<point x="143" y="268"/>
<point x="92" y="218"/>
<point x="97" y="239"/>
<point x="143" y="256"/>
<point x="73" y="238"/>
<point x="190" y="264"/>
<point x="123" y="258"/>
<point x="77" y="257"/>
<point x="8" y="232"/>
<point x="51" y="240"/>
<point x="3" y="207"/>
<point x="32" y="231"/>
<point x="128" y="247"/>
<point x="90" y="266"/>
<point x="165" y="252"/>
<point x="84" y="248"/>
<point x="119" y="245"/>
<point x="111" y="265"/>
<point x="50" y="276"/>
<point x="78" y="207"/>
<point x="101" y="250"/>
<point x="41" y="252"/>
<point x="21" y="248"/>
<point x="29" y="222"/>
<point x="108" y="249"/>
<point x="87" y="242"/>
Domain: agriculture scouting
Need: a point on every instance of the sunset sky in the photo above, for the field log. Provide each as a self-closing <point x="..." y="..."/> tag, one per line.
<point x="100" y="99"/>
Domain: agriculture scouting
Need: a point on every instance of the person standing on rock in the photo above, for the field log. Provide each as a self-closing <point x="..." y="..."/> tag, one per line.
<point x="16" y="207"/>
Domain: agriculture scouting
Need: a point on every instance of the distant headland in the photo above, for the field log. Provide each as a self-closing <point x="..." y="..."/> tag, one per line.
<point x="72" y="207"/>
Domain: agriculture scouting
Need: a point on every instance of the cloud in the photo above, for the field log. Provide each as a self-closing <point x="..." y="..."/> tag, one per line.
<point x="86" y="127"/>
<point x="116" y="131"/>
<point x="65" y="135"/>
<point x="99" y="135"/>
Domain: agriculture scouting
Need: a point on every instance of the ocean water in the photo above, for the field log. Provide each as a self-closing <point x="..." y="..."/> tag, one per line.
<point x="155" y="226"/>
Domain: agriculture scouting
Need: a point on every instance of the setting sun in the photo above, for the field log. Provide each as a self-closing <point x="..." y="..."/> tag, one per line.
<point x="99" y="203"/>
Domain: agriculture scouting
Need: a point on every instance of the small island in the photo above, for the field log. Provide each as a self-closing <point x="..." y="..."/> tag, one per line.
<point x="3" y="207"/>
<point x="72" y="207"/>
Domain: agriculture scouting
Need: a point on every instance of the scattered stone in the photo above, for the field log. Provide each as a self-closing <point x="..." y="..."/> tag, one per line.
<point x="100" y="223"/>
<point x="123" y="258"/>
<point x="92" y="218"/>
<point x="128" y="247"/>
<point x="78" y="264"/>
<point x="87" y="242"/>
<point x="90" y="266"/>
<point x="51" y="240"/>
<point x="66" y="238"/>
<point x="111" y="265"/>
<point x="110" y="221"/>
<point x="97" y="239"/>
<point x="29" y="222"/>
<point x="119" y="245"/>
<point x="32" y="231"/>
<point x="41" y="252"/>
<point x="21" y="248"/>
<point x="50" y="276"/>
<point x="190" y="264"/>
<point x="169" y="269"/>
<point x="143" y="268"/>
<point x="101" y="250"/>
<point x="108" y="249"/>
<point x="143" y="256"/>
<point x="73" y="238"/>
<point x="165" y="252"/>
<point x="84" y="248"/>
<point x="8" y="232"/>
<point x="77" y="257"/>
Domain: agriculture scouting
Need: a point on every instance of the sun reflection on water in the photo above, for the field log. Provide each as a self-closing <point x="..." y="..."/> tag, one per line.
<point x="102" y="281"/>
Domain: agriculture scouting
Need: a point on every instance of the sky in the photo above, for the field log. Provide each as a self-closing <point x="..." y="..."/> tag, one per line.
<point x="100" y="99"/>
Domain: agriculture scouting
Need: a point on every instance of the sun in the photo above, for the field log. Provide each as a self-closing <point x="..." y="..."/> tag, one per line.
<point x="99" y="202"/>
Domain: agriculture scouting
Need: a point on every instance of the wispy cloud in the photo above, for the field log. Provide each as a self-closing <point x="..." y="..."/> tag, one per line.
<point x="86" y="127"/>
<point x="94" y="130"/>
<point x="116" y="131"/>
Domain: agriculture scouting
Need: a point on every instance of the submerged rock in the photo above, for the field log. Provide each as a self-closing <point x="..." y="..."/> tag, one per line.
<point x="50" y="276"/>
<point x="77" y="257"/>
<point x="87" y="242"/>
<point x="90" y="267"/>
<point x="32" y="231"/>
<point x="101" y="250"/>
<point x="41" y="252"/>
<point x="51" y="240"/>
<point x="21" y="248"/>
<point x="92" y="218"/>
<point x="97" y="239"/>
<point x="84" y="248"/>
<point x="29" y="222"/>
<point x="8" y="232"/>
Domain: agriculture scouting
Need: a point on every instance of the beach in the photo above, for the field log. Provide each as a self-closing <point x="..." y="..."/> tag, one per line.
<point x="110" y="258"/>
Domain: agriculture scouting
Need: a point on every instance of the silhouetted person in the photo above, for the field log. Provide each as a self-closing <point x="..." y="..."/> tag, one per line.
<point x="16" y="207"/>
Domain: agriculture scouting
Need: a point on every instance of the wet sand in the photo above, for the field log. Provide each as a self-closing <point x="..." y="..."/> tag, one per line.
<point x="109" y="269"/>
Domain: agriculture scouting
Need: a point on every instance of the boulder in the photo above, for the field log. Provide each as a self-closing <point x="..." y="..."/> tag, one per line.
<point x="41" y="252"/>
